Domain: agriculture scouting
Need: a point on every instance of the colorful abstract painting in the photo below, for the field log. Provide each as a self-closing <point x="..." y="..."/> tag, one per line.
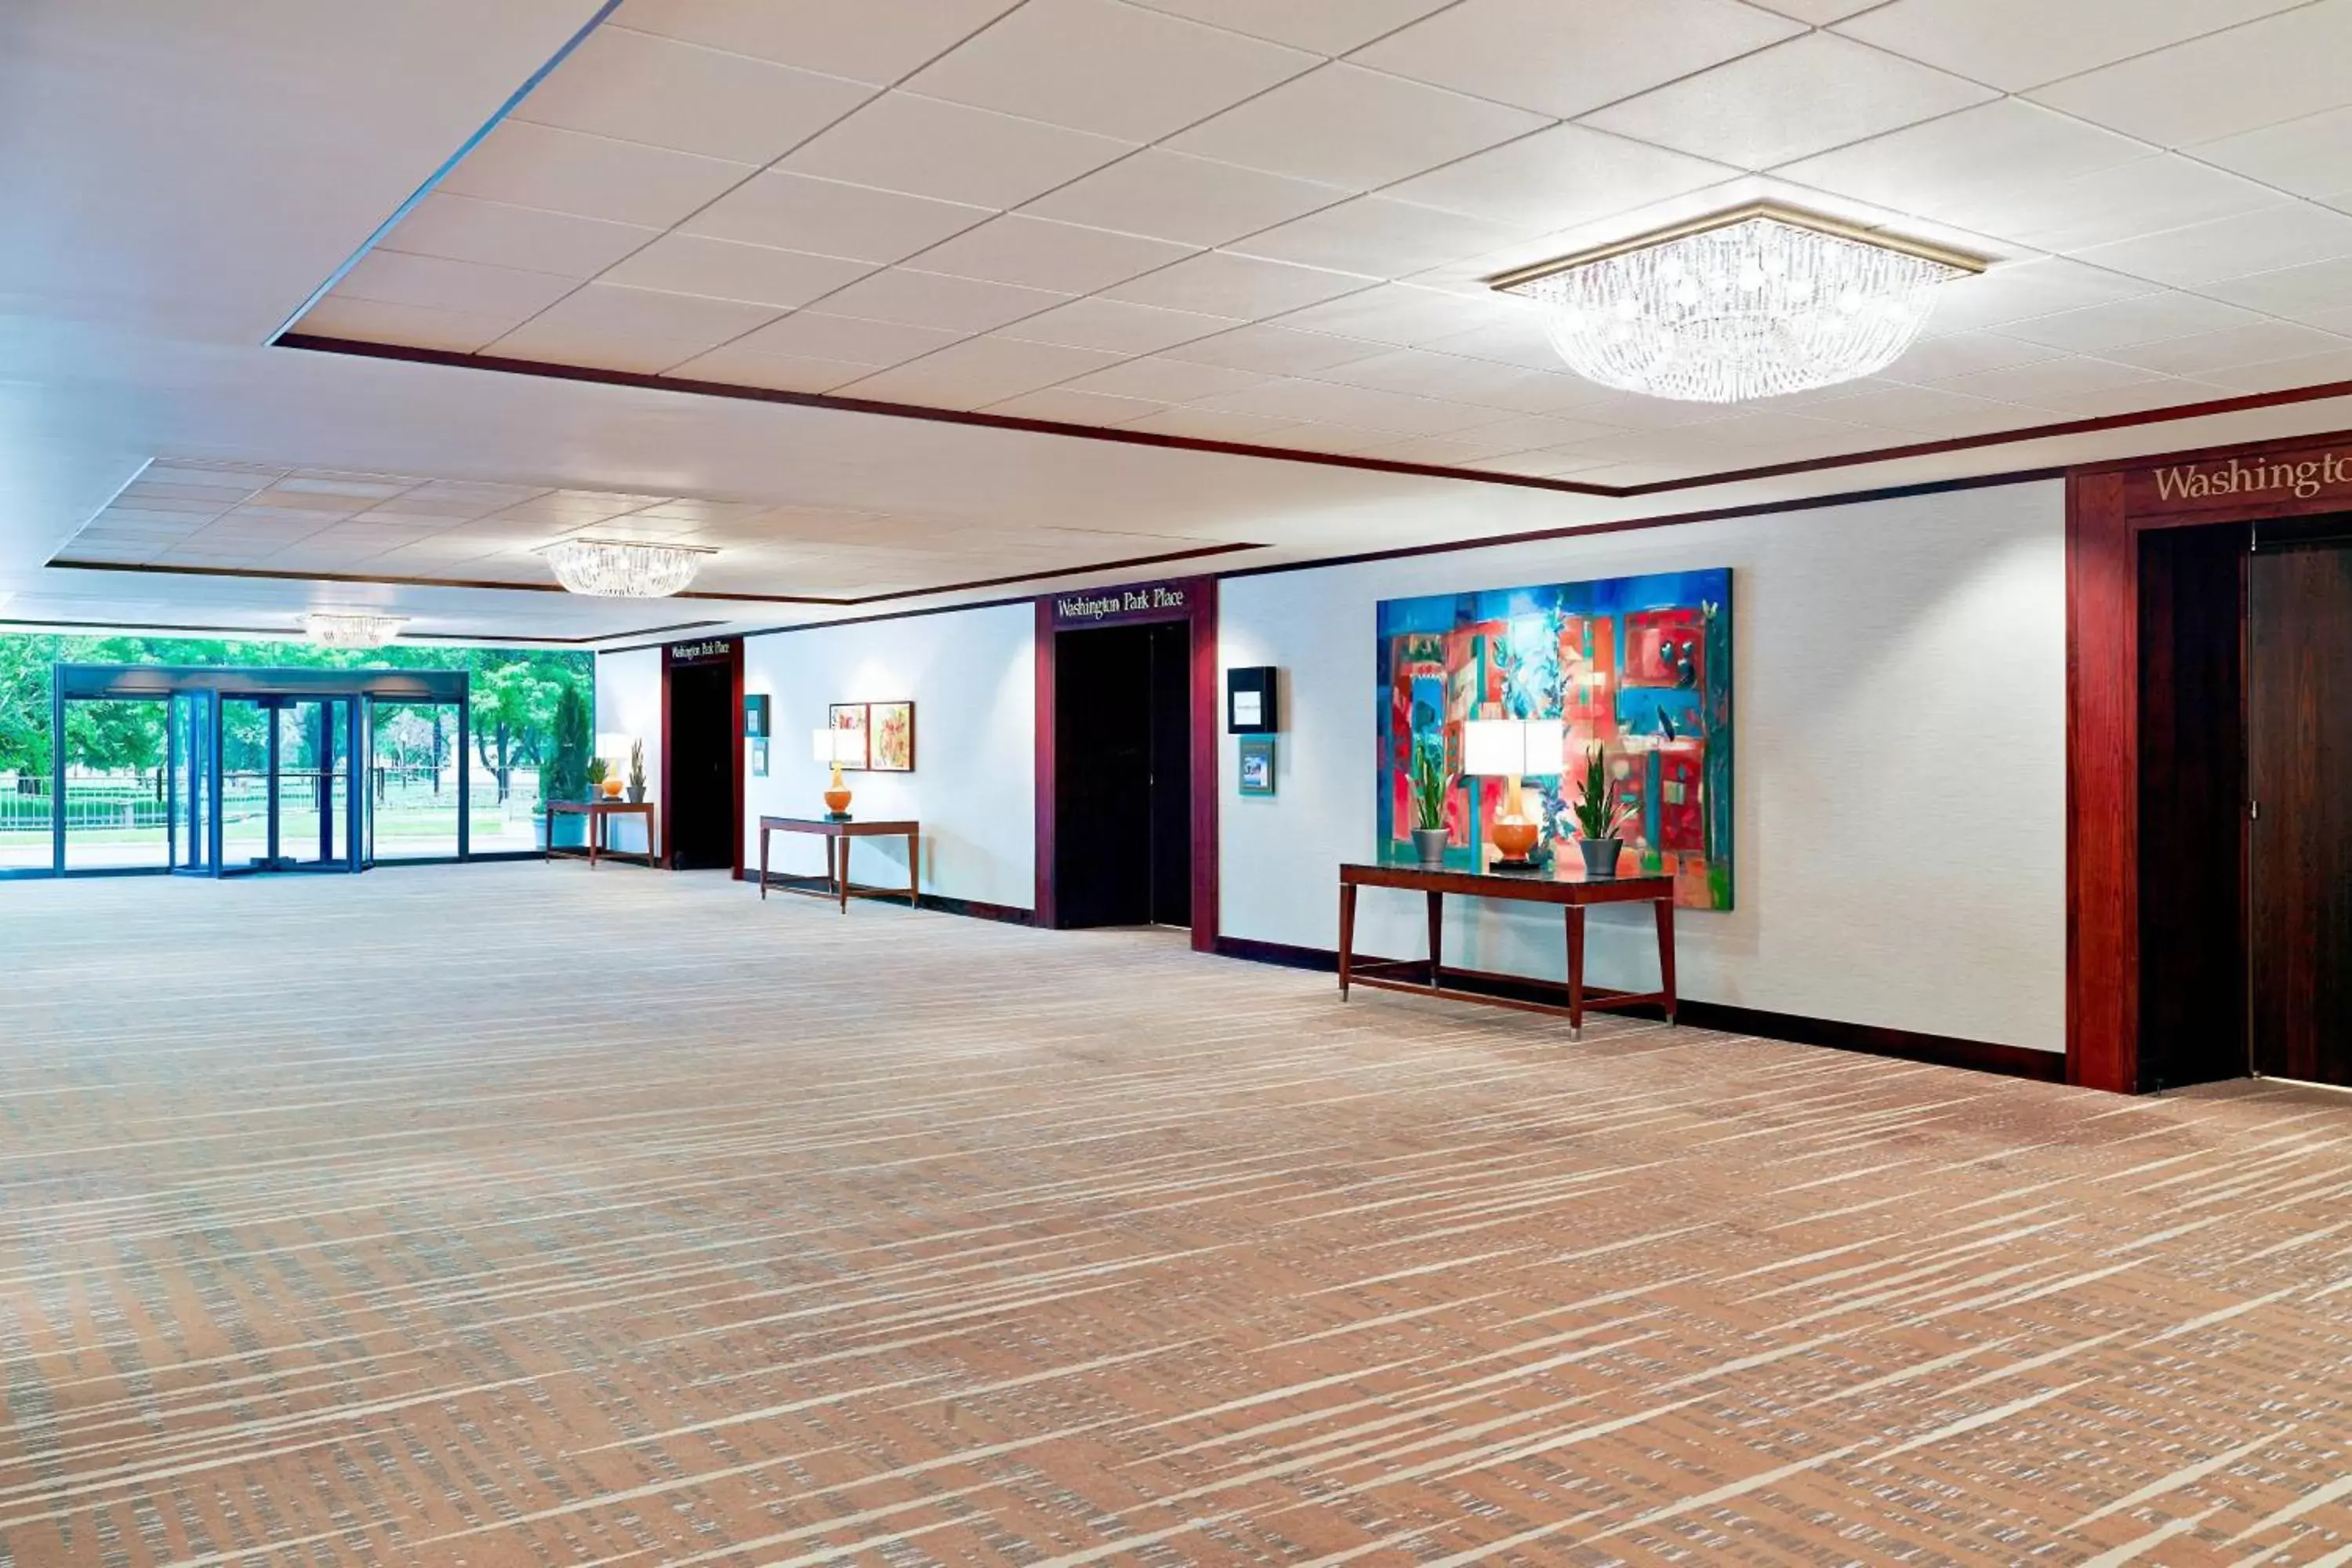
<point x="1640" y="667"/>
<point x="891" y="727"/>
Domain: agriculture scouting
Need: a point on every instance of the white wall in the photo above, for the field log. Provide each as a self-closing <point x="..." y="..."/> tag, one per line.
<point x="972" y="677"/>
<point x="1901" y="769"/>
<point x="629" y="702"/>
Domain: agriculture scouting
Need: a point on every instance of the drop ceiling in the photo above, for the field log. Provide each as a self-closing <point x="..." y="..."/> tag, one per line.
<point x="1212" y="220"/>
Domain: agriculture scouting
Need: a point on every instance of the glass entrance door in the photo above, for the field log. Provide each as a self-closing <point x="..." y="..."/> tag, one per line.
<point x="284" y="787"/>
<point x="195" y="751"/>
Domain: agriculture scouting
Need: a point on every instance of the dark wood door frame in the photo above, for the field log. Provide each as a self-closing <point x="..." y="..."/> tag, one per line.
<point x="1190" y="599"/>
<point x="711" y="650"/>
<point x="2109" y="508"/>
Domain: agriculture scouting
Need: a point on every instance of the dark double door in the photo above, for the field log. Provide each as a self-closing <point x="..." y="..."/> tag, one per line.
<point x="2299" y="754"/>
<point x="1123" y="775"/>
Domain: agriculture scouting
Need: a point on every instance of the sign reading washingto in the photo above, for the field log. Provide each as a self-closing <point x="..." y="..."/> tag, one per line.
<point x="2238" y="481"/>
<point x="1103" y="607"/>
<point x="711" y="650"/>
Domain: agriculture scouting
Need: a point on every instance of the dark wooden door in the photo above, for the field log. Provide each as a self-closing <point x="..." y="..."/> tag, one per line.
<point x="1122" y="776"/>
<point x="700" y="821"/>
<point x="2299" y="722"/>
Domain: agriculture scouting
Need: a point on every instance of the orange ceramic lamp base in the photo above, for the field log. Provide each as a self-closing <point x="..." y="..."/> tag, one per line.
<point x="836" y="797"/>
<point x="1515" y="835"/>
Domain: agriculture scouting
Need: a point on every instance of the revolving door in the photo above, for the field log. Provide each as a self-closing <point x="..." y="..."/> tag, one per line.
<point x="274" y="770"/>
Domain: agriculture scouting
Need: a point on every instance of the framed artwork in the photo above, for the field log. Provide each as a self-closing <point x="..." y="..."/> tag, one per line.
<point x="851" y="716"/>
<point x="1257" y="765"/>
<point x="890" y="737"/>
<point x="1640" y="667"/>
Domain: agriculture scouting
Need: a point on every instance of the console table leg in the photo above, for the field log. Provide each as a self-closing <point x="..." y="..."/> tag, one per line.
<point x="914" y="875"/>
<point x="1346" y="934"/>
<point x="1665" y="907"/>
<point x="841" y="882"/>
<point x="764" y="858"/>
<point x="1576" y="971"/>
<point x="1436" y="939"/>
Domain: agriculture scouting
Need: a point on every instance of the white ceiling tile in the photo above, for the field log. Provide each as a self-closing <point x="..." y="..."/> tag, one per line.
<point x="1568" y="56"/>
<point x="595" y="176"/>
<point x="2165" y="191"/>
<point x="1339" y="440"/>
<point x="1405" y="316"/>
<point x="640" y="88"/>
<point x="2037" y="384"/>
<point x="1275" y="350"/>
<point x="1792" y="100"/>
<point x="1958" y="353"/>
<point x="724" y="269"/>
<point x="2308" y="156"/>
<point x="2258" y="343"/>
<point x="1525" y="343"/>
<point x="438" y="284"/>
<point x="1523" y="434"/>
<point x="2146" y="318"/>
<point x="1332" y="403"/>
<point x="463" y="229"/>
<point x="1427" y="373"/>
<point x="1117" y="326"/>
<point x="2021" y="290"/>
<point x="1817" y="13"/>
<point x="1201" y="424"/>
<point x="2285" y="236"/>
<point x="1347" y="126"/>
<point x="1565" y="176"/>
<point x="1325" y="27"/>
<point x="2019" y="44"/>
<point x="1166" y="380"/>
<point x="1070" y="407"/>
<point x="2274" y="375"/>
<point x="827" y="217"/>
<point x="1946" y="166"/>
<point x="1196" y="201"/>
<point x="1218" y="283"/>
<point x="2296" y="293"/>
<point x="869" y="40"/>
<point x="736" y="364"/>
<point x="2280" y="68"/>
<point x="1097" y="65"/>
<point x="630" y="329"/>
<point x="927" y="148"/>
<point x="2163" y="392"/>
<point x="1375" y="235"/>
<point x="1926" y="411"/>
<point x="976" y="371"/>
<point x="934" y="300"/>
<point x="1044" y="254"/>
<point x="820" y="335"/>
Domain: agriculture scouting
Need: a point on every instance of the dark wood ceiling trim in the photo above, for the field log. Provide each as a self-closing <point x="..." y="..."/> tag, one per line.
<point x="273" y="575"/>
<point x="283" y="634"/>
<point x="633" y="379"/>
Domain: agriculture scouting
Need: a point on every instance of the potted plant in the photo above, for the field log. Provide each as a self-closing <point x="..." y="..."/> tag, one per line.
<point x="636" y="772"/>
<point x="567" y="774"/>
<point x="1600" y="812"/>
<point x="601" y="781"/>
<point x="1429" y="782"/>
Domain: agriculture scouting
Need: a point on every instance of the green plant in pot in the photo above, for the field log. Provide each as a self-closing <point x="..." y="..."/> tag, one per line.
<point x="637" y="770"/>
<point x="1600" y="812"/>
<point x="1429" y="790"/>
<point x="567" y="770"/>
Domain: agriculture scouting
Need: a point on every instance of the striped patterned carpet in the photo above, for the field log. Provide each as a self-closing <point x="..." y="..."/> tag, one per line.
<point x="522" y="1215"/>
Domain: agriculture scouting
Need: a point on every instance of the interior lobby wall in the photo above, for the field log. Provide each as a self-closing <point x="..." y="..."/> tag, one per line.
<point x="972" y="677"/>
<point x="1899" y="716"/>
<point x="629" y="702"/>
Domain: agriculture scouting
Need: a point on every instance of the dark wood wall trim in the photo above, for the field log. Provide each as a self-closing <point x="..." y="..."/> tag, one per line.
<point x="936" y="903"/>
<point x="641" y="382"/>
<point x="1943" y="1051"/>
<point x="2109" y="506"/>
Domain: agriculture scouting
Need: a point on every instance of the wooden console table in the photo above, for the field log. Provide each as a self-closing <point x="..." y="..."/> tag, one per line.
<point x="838" y="834"/>
<point x="600" y="814"/>
<point x="1565" y="886"/>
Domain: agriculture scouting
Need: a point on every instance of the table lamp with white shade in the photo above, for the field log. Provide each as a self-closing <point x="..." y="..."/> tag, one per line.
<point x="1513" y="749"/>
<point x="837" y="747"/>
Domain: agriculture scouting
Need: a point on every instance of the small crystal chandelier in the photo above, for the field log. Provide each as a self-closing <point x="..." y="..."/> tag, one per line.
<point x="620" y="569"/>
<point x="1754" y="303"/>
<point x="353" y="628"/>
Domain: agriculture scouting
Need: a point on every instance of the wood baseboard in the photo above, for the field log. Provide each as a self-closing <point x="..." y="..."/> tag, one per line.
<point x="936" y="903"/>
<point x="1871" y="1040"/>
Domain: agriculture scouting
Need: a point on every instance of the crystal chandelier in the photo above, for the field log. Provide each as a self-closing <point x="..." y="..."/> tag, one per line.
<point x="353" y="628"/>
<point x="618" y="568"/>
<point x="1753" y="302"/>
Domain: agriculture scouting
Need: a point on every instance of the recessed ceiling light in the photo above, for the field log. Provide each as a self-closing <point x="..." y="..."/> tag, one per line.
<point x="353" y="628"/>
<point x="624" y="569"/>
<point x="1754" y="303"/>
